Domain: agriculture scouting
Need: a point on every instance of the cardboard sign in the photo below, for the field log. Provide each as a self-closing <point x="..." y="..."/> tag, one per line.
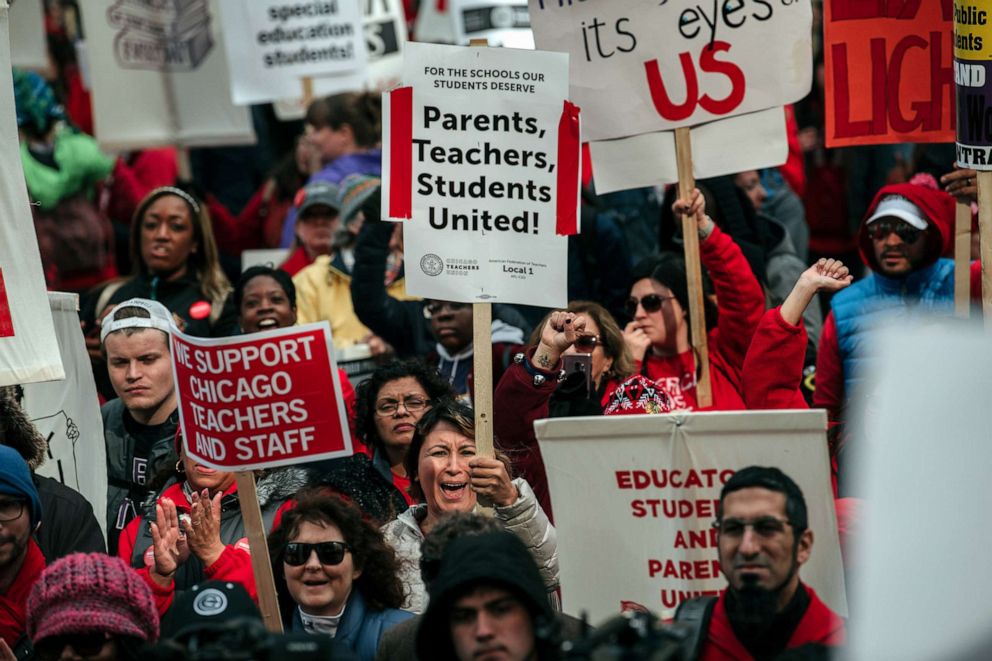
<point x="275" y="44"/>
<point x="28" y="46"/>
<point x="726" y="146"/>
<point x="650" y="485"/>
<point x="482" y="151"/>
<point x="639" y="67"/>
<point x="29" y="351"/>
<point x="67" y="412"/>
<point x="261" y="400"/>
<point x="888" y="72"/>
<point x="973" y="83"/>
<point x="159" y="75"/>
<point x="503" y="23"/>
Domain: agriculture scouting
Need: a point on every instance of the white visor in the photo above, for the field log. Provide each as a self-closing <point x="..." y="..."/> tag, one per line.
<point x="160" y="319"/>
<point x="899" y="207"/>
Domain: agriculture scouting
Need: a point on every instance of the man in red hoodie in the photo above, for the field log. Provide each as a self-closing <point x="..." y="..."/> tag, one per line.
<point x="763" y="539"/>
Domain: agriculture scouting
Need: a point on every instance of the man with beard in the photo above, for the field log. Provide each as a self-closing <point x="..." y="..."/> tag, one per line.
<point x="906" y="230"/>
<point x="21" y="561"/>
<point x="763" y="539"/>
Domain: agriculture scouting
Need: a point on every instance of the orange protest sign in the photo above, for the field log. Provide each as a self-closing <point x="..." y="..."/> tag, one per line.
<point x="889" y="76"/>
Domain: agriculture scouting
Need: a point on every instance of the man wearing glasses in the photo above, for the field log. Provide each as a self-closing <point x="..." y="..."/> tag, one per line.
<point x="906" y="230"/>
<point x="763" y="538"/>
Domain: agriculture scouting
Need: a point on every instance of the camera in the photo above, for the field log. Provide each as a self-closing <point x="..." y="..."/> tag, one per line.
<point x="635" y="636"/>
<point x="246" y="639"/>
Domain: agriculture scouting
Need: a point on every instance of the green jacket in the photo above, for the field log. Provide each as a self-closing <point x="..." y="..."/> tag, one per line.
<point x="81" y="166"/>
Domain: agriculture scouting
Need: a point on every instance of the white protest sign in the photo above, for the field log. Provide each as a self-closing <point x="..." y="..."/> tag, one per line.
<point x="67" y="412"/>
<point x="639" y="67"/>
<point x="272" y="45"/>
<point x="159" y="75"/>
<point x="503" y="23"/>
<point x="920" y="445"/>
<point x="261" y="400"/>
<point x="727" y="146"/>
<point x="28" y="46"/>
<point x="650" y="485"/>
<point x="482" y="151"/>
<point x="29" y="351"/>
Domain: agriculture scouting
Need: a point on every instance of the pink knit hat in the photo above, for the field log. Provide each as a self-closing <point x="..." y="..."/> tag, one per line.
<point x="91" y="593"/>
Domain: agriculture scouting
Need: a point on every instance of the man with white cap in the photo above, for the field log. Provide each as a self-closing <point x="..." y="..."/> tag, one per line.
<point x="905" y="232"/>
<point x="140" y="426"/>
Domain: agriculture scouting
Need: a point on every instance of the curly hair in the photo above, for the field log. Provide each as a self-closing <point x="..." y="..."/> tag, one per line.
<point x="379" y="582"/>
<point x="368" y="391"/>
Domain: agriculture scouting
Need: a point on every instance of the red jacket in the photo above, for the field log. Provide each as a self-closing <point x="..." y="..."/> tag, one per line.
<point x="741" y="304"/>
<point x="13" y="603"/>
<point x="773" y="367"/>
<point x="819" y="625"/>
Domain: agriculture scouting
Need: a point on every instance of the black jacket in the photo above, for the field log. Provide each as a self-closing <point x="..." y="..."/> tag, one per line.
<point x="68" y="524"/>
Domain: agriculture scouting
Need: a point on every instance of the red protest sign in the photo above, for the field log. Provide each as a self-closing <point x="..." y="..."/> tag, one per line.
<point x="261" y="400"/>
<point x="6" y="322"/>
<point x="889" y="76"/>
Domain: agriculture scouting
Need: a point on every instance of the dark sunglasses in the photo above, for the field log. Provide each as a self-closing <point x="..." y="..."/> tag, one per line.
<point x="882" y="228"/>
<point x="436" y="307"/>
<point x="83" y="644"/>
<point x="650" y="303"/>
<point x="329" y="553"/>
<point x="587" y="343"/>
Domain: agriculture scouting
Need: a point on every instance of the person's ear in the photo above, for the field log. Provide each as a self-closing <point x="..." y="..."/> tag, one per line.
<point x="805" y="543"/>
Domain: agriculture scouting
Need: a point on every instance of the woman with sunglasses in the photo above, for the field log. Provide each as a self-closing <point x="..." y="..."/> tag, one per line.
<point x="192" y="529"/>
<point x="335" y="575"/>
<point x="659" y="336"/>
<point x="584" y="328"/>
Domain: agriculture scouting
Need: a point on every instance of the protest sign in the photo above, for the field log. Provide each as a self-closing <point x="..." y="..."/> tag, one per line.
<point x="27" y="35"/>
<point x="727" y="146"/>
<point x="67" y="412"/>
<point x="922" y="457"/>
<point x="503" y="23"/>
<point x="273" y="45"/>
<point x="639" y="67"/>
<point x="973" y="83"/>
<point x="159" y="75"/>
<point x="651" y="483"/>
<point x="482" y="151"/>
<point x="29" y="351"/>
<point x="262" y="400"/>
<point x="888" y="73"/>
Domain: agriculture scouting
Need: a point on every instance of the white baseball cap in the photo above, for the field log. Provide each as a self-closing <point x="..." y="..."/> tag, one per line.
<point x="160" y="318"/>
<point x="901" y="208"/>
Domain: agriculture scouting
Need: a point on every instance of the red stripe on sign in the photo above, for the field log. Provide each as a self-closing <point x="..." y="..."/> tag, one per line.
<point x="567" y="220"/>
<point x="401" y="153"/>
<point x="6" y="321"/>
<point x="442" y="5"/>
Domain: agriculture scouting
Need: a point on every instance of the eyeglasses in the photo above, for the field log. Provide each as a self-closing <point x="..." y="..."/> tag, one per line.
<point x="11" y="510"/>
<point x="884" y="227"/>
<point x="435" y="308"/>
<point x="412" y="404"/>
<point x="329" y="553"/>
<point x="587" y="343"/>
<point x="83" y="644"/>
<point x="650" y="303"/>
<point x="764" y="526"/>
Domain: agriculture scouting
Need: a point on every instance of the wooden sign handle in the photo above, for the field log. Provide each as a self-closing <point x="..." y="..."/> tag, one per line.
<point x="693" y="269"/>
<point x="962" y="260"/>
<point x="261" y="564"/>
<point x="984" y="181"/>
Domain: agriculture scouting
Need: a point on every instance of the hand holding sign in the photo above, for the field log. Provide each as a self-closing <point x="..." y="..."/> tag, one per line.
<point x="491" y="482"/>
<point x="695" y="206"/>
<point x="962" y="183"/>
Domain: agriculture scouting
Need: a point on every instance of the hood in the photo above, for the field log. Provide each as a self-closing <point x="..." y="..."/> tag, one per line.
<point x="17" y="431"/>
<point x="937" y="207"/>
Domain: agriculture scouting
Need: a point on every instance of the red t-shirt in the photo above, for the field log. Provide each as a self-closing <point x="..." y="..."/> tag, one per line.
<point x="403" y="484"/>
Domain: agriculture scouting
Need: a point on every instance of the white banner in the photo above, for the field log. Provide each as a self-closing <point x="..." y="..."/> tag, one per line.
<point x="159" y="75"/>
<point x="67" y="413"/>
<point x="29" y="351"/>
<point x="28" y="46"/>
<point x="504" y="23"/>
<point x="727" y="146"/>
<point x="493" y="178"/>
<point x="274" y="44"/>
<point x="639" y="67"/>
<point x="635" y="498"/>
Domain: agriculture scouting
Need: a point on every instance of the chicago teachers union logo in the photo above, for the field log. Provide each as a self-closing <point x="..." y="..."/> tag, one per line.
<point x="431" y="264"/>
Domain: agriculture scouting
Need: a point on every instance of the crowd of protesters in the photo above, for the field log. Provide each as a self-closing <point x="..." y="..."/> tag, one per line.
<point x="384" y="554"/>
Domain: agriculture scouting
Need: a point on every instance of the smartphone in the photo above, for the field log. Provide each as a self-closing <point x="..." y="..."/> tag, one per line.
<point x="579" y="362"/>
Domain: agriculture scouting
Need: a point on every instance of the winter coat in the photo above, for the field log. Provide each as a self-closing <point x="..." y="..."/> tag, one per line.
<point x="234" y="564"/>
<point x="126" y="483"/>
<point x="524" y="518"/>
<point x="362" y="481"/>
<point x="69" y="524"/>
<point x="361" y="628"/>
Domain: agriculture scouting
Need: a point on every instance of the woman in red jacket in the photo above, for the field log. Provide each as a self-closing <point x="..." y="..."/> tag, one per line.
<point x="659" y="335"/>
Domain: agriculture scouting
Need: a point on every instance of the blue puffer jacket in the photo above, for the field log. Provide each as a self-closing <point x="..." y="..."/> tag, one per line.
<point x="361" y="629"/>
<point x="876" y="299"/>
